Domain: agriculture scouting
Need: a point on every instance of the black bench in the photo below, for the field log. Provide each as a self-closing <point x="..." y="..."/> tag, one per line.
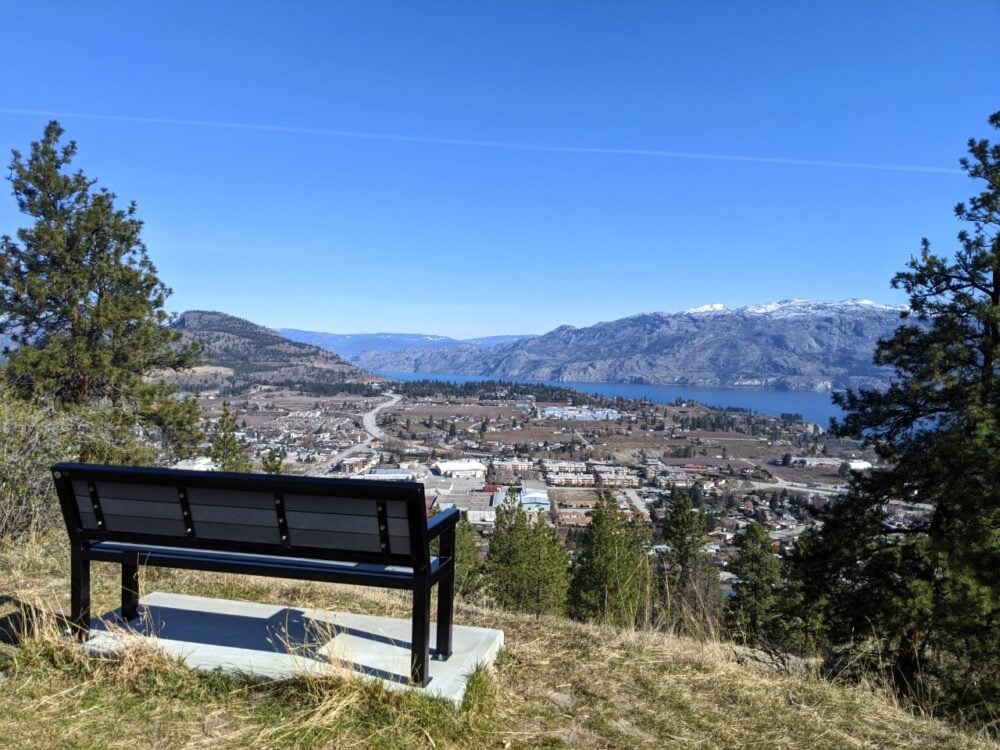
<point x="337" y="530"/>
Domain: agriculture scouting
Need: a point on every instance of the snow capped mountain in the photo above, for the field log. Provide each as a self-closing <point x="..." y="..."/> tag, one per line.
<point x="795" y="306"/>
<point x="793" y="343"/>
<point x="712" y="307"/>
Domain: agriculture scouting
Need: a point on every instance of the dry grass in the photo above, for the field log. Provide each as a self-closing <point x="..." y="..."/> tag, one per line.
<point x="558" y="684"/>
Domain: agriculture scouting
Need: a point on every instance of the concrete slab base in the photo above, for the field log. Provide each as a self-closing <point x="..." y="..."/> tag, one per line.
<point x="276" y="642"/>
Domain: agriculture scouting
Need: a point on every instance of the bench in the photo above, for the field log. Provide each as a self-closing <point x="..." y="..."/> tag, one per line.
<point x="336" y="530"/>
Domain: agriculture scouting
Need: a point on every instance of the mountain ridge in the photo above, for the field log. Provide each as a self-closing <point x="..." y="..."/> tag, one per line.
<point x="239" y="353"/>
<point x="349" y="345"/>
<point x="793" y="344"/>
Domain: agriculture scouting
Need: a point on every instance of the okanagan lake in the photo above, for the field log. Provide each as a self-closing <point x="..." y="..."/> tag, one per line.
<point x="814" y="407"/>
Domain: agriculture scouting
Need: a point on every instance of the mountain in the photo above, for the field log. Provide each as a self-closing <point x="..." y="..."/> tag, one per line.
<point x="350" y="345"/>
<point x="240" y="353"/>
<point x="794" y="344"/>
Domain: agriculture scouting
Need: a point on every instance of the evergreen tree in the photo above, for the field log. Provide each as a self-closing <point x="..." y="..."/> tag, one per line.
<point x="612" y="577"/>
<point x="469" y="577"/>
<point x="928" y="591"/>
<point x="552" y="577"/>
<point x="226" y="451"/>
<point x="527" y="569"/>
<point x="753" y="610"/>
<point x="692" y="598"/>
<point x="272" y="463"/>
<point x="81" y="299"/>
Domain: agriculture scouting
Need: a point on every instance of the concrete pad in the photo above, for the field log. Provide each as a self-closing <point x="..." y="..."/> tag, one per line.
<point x="275" y="642"/>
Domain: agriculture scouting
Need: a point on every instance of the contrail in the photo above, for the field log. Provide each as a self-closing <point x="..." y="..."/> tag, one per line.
<point x="475" y="143"/>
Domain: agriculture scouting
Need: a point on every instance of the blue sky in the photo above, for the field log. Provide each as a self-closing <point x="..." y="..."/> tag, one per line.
<point x="476" y="168"/>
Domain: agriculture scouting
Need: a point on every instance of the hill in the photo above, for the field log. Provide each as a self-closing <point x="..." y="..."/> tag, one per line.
<point x="351" y="345"/>
<point x="239" y="353"/>
<point x="559" y="684"/>
<point x="794" y="344"/>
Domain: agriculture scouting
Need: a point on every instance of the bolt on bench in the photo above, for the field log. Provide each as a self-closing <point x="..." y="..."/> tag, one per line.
<point x="335" y="530"/>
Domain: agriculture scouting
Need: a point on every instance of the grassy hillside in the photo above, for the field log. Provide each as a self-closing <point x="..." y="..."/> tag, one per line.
<point x="558" y="684"/>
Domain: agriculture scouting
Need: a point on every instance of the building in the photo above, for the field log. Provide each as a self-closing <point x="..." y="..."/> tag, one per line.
<point x="618" y="479"/>
<point x="564" y="467"/>
<point x="576" y="413"/>
<point x="566" y="479"/>
<point x="535" y="497"/>
<point x="389" y="475"/>
<point x="515" y="465"/>
<point x="463" y="468"/>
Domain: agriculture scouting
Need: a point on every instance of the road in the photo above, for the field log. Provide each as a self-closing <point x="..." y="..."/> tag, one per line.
<point x="779" y="484"/>
<point x="368" y="419"/>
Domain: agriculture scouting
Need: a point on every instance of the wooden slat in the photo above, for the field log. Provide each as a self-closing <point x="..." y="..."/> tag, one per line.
<point x="399" y="527"/>
<point x="397" y="509"/>
<point x="141" y="508"/>
<point x="127" y="491"/>
<point x="83" y="504"/>
<point x="238" y="533"/>
<point x="231" y="498"/>
<point x="223" y="514"/>
<point x="399" y="545"/>
<point x="334" y="540"/>
<point x="328" y="504"/>
<point x="333" y="522"/>
<point x="88" y="519"/>
<point x="136" y="525"/>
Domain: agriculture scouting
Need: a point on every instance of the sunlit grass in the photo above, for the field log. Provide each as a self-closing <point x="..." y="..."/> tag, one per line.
<point x="557" y="684"/>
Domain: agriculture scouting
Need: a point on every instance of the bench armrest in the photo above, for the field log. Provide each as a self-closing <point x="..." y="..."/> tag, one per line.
<point x="436" y="525"/>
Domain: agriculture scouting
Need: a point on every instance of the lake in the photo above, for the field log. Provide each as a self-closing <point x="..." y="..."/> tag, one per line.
<point x="814" y="407"/>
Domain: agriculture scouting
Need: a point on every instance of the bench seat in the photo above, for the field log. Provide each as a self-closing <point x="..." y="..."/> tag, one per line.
<point x="300" y="568"/>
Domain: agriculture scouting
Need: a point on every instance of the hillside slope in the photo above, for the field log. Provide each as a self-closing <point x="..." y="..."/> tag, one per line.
<point x="559" y="684"/>
<point x="240" y="353"/>
<point x="795" y="344"/>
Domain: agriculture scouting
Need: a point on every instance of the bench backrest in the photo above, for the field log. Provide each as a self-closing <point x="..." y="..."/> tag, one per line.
<point x="334" y="519"/>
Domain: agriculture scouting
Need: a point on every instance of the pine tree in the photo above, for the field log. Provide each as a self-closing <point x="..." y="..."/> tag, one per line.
<point x="81" y="300"/>
<point x="691" y="596"/>
<point x="752" y="611"/>
<point x="272" y="463"/>
<point x="928" y="591"/>
<point x="527" y="569"/>
<point x="551" y="584"/>
<point x="469" y="575"/>
<point x="612" y="576"/>
<point x="226" y="451"/>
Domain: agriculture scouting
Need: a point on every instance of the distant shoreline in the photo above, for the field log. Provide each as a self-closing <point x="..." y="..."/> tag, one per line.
<point x="813" y="406"/>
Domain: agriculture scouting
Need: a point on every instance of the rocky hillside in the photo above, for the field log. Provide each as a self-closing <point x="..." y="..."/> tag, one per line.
<point x="794" y="344"/>
<point x="240" y="353"/>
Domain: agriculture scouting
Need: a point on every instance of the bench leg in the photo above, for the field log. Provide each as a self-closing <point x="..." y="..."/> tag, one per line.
<point x="446" y="594"/>
<point x="130" y="590"/>
<point x="445" y="610"/>
<point x="420" y="640"/>
<point x="79" y="597"/>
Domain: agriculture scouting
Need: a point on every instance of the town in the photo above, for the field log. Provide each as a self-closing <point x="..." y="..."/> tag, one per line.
<point x="479" y="449"/>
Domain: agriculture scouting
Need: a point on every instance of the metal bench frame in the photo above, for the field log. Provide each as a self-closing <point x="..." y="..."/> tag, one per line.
<point x="93" y="536"/>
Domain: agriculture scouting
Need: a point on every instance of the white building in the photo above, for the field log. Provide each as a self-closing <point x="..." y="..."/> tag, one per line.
<point x="465" y="468"/>
<point x="389" y="475"/>
<point x="516" y="465"/>
<point x="535" y="497"/>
